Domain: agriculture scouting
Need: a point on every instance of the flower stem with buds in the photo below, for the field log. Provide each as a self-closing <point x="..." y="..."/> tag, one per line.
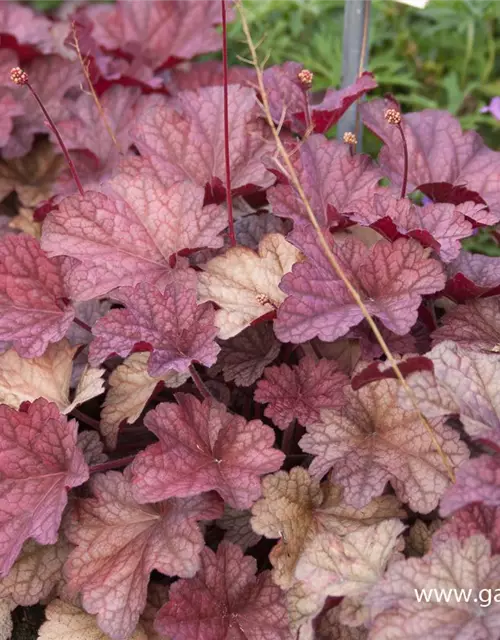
<point x="20" y="77"/>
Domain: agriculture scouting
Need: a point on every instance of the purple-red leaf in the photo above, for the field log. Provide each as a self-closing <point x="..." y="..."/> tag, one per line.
<point x="445" y="163"/>
<point x="478" y="480"/>
<point x="440" y="226"/>
<point x="472" y="275"/>
<point x="39" y="462"/>
<point x="225" y="601"/>
<point x="335" y="182"/>
<point x="185" y="139"/>
<point x="178" y="330"/>
<point x="119" y="542"/>
<point x="474" y="325"/>
<point x="469" y="521"/>
<point x="158" y="33"/>
<point x="203" y="447"/>
<point x="390" y="277"/>
<point x="33" y="312"/>
<point x="126" y="237"/>
<point x="301" y="391"/>
<point x="289" y="101"/>
<point x="372" y="441"/>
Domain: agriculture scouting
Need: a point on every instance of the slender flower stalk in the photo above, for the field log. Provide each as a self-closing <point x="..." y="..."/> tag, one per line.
<point x="20" y="77"/>
<point x="393" y="116"/>
<point x="230" y="219"/>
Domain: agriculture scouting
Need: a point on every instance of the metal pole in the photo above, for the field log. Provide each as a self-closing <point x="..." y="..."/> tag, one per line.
<point x="355" y="46"/>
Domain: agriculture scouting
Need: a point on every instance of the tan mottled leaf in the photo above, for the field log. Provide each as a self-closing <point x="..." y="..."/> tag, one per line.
<point x="296" y="509"/>
<point x="245" y="283"/>
<point x="67" y="622"/>
<point x="130" y="388"/>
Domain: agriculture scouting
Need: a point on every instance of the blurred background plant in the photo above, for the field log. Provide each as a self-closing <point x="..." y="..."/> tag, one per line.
<point x="441" y="57"/>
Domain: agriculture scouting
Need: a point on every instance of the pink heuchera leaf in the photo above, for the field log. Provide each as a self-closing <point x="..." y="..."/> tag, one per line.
<point x="439" y="226"/>
<point x="191" y="76"/>
<point x="301" y="391"/>
<point x="287" y="96"/>
<point x="203" y="447"/>
<point x="39" y="462"/>
<point x="371" y="349"/>
<point x="185" y="139"/>
<point x="52" y="77"/>
<point x="474" y="325"/>
<point x="468" y="566"/>
<point x="9" y="109"/>
<point x="225" y="600"/>
<point x="472" y="275"/>
<point x="464" y="382"/>
<point x="26" y="27"/>
<point x="244" y="357"/>
<point x="372" y="441"/>
<point x="469" y="521"/>
<point x="446" y="164"/>
<point x="85" y="129"/>
<point x="336" y="183"/>
<point x="127" y="237"/>
<point x="391" y="279"/>
<point x="158" y="33"/>
<point x="478" y="480"/>
<point x="119" y="542"/>
<point x="178" y="329"/>
<point x="32" y="308"/>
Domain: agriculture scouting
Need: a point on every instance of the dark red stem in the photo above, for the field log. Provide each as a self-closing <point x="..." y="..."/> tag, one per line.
<point x="405" y="155"/>
<point x="82" y="324"/>
<point x="230" y="220"/>
<point x="111" y="464"/>
<point x="59" y="139"/>
<point x="200" y="385"/>
<point x="83" y="417"/>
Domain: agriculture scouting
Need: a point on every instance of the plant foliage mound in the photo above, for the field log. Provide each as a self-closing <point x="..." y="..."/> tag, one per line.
<point x="249" y="377"/>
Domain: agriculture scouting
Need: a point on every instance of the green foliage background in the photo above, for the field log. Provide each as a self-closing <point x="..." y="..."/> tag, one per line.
<point x="442" y="57"/>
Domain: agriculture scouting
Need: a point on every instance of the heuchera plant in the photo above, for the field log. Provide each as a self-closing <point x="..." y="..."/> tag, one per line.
<point x="249" y="383"/>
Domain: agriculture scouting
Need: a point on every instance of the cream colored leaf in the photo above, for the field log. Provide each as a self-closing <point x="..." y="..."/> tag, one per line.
<point x="66" y="622"/>
<point x="351" y="565"/>
<point x="244" y="283"/>
<point x="35" y="573"/>
<point x="303" y="606"/>
<point x="296" y="508"/>
<point x="89" y="386"/>
<point x="47" y="376"/>
<point x="130" y="388"/>
<point x="25" y="222"/>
